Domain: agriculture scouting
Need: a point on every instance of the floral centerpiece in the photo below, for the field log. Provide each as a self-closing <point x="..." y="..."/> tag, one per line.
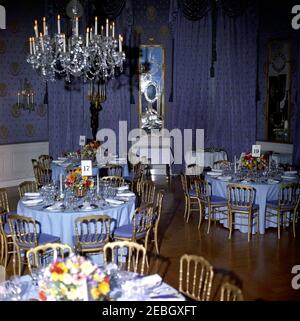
<point x="75" y="279"/>
<point x="89" y="150"/>
<point x="78" y="182"/>
<point x="253" y="163"/>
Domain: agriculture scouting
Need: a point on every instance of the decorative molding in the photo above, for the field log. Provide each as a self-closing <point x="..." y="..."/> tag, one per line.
<point x="15" y="162"/>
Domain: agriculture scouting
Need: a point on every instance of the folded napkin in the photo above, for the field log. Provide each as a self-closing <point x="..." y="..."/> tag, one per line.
<point x="123" y="188"/>
<point x="32" y="202"/>
<point x="55" y="206"/>
<point x="126" y="194"/>
<point x="32" y="194"/>
<point x="150" y="281"/>
<point x="112" y="201"/>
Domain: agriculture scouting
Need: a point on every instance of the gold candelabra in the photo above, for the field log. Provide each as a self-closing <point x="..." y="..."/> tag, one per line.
<point x="97" y="93"/>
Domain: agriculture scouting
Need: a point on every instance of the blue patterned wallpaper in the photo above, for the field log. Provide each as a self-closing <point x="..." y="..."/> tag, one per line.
<point x="20" y="126"/>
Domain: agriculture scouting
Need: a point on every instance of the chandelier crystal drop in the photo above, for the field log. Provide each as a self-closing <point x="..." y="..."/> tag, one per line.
<point x="95" y="56"/>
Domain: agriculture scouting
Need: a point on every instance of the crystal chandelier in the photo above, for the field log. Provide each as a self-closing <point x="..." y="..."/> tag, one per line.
<point x="95" y="56"/>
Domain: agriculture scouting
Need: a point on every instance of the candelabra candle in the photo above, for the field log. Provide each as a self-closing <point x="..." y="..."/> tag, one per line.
<point x="32" y="101"/>
<point x="76" y="26"/>
<point x="46" y="31"/>
<point x="87" y="37"/>
<point x="36" y="28"/>
<point x="96" y="25"/>
<point x="28" y="97"/>
<point x="91" y="33"/>
<point x="58" y="24"/>
<point x="106" y="27"/>
<point x="102" y="30"/>
<point x="113" y="30"/>
<point x="44" y="25"/>
<point x="110" y="29"/>
<point x="30" y="45"/>
<point x="18" y="98"/>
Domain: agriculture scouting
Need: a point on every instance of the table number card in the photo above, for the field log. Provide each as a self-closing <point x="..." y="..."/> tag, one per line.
<point x="256" y="150"/>
<point x="81" y="140"/>
<point x="86" y="168"/>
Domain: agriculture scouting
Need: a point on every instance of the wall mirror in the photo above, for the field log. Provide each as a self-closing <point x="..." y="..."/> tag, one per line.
<point x="151" y="87"/>
<point x="278" y="104"/>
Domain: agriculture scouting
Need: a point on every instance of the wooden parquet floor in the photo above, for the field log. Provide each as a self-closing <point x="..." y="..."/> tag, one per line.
<point x="262" y="267"/>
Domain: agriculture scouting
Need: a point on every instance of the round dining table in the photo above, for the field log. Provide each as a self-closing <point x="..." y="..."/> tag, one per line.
<point x="62" y="223"/>
<point x="263" y="192"/>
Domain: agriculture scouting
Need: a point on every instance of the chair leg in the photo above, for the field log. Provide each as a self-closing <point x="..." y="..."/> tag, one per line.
<point x="209" y="219"/>
<point x="230" y="223"/>
<point x="189" y="210"/>
<point x="185" y="206"/>
<point x="200" y="214"/>
<point x="294" y="222"/>
<point x="156" y="239"/>
<point x="249" y="226"/>
<point x="278" y="225"/>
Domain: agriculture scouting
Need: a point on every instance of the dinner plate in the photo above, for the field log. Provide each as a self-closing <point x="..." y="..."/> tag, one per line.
<point x="32" y="202"/>
<point x="272" y="181"/>
<point x="215" y="174"/>
<point x="114" y="202"/>
<point x="225" y="178"/>
<point x="58" y="161"/>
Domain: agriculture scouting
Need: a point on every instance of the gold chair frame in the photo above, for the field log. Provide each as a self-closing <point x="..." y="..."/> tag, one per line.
<point x="90" y="224"/>
<point x="218" y="164"/>
<point x="243" y="200"/>
<point x="113" y="170"/>
<point x="197" y="286"/>
<point x="45" y="161"/>
<point x="35" y="254"/>
<point x="146" y="192"/>
<point x="157" y="213"/>
<point x="27" y="186"/>
<point x="132" y="256"/>
<point x="204" y="190"/>
<point x="230" y="292"/>
<point x="2" y="273"/>
<point x="288" y="202"/>
<point x="42" y="175"/>
<point x="115" y="179"/>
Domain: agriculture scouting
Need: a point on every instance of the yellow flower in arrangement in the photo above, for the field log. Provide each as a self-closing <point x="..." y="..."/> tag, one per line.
<point x="76" y="180"/>
<point x="76" y="278"/>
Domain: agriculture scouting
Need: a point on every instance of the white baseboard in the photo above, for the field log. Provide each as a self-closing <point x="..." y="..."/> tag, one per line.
<point x="15" y="162"/>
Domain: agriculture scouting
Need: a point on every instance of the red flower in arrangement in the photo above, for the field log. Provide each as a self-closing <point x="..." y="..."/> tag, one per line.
<point x="42" y="295"/>
<point x="56" y="268"/>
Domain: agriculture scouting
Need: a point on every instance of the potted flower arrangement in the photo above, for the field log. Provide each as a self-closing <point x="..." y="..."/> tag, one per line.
<point x="89" y="150"/>
<point x="254" y="163"/>
<point x="80" y="184"/>
<point x="74" y="279"/>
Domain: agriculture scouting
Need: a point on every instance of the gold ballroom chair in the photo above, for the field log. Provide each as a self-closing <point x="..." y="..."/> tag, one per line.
<point x="44" y="255"/>
<point x="27" y="186"/>
<point x="118" y="180"/>
<point x="146" y="192"/>
<point x="91" y="234"/>
<point x="195" y="277"/>
<point x="287" y="202"/>
<point x="157" y="215"/>
<point x="240" y="205"/>
<point x="127" y="255"/>
<point x="230" y="292"/>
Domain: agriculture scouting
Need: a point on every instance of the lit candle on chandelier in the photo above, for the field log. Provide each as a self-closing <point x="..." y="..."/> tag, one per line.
<point x="76" y="26"/>
<point x="110" y="29"/>
<point x="106" y="27"/>
<point x="44" y="26"/>
<point x="102" y="30"/>
<point x="120" y="43"/>
<point x="87" y="37"/>
<point x="36" y="29"/>
<point x="46" y="32"/>
<point x="28" y="102"/>
<point x="33" y="45"/>
<point x="58" y="24"/>
<point x="42" y="42"/>
<point x="32" y="98"/>
<point x="91" y="33"/>
<point x="64" y="43"/>
<point x="18" y="98"/>
<point x="30" y="45"/>
<point x="113" y="29"/>
<point x="96" y="25"/>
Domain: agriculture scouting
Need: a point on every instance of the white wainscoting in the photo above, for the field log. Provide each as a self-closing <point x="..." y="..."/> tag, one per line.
<point x="15" y="162"/>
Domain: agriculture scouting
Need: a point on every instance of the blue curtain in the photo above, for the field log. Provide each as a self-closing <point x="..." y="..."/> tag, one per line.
<point x="233" y="118"/>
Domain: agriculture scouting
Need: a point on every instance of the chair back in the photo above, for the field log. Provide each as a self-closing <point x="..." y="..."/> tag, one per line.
<point x="25" y="230"/>
<point x="138" y="171"/>
<point x="289" y="195"/>
<point x="42" y="175"/>
<point x="43" y="255"/>
<point x="45" y="161"/>
<point x="142" y="220"/>
<point x="221" y="164"/>
<point x="147" y="192"/>
<point x="184" y="183"/>
<point x="240" y="196"/>
<point x="118" y="180"/>
<point x="195" y="277"/>
<point x="114" y="170"/>
<point x="230" y="292"/>
<point x="92" y="231"/>
<point x="4" y="206"/>
<point x="158" y="205"/>
<point x="129" y="256"/>
<point x="2" y="273"/>
<point x="27" y="186"/>
<point x="2" y="248"/>
<point x="203" y="190"/>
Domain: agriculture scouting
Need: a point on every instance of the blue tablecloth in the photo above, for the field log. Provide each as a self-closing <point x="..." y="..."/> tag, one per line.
<point x="264" y="192"/>
<point x="61" y="169"/>
<point x="62" y="224"/>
